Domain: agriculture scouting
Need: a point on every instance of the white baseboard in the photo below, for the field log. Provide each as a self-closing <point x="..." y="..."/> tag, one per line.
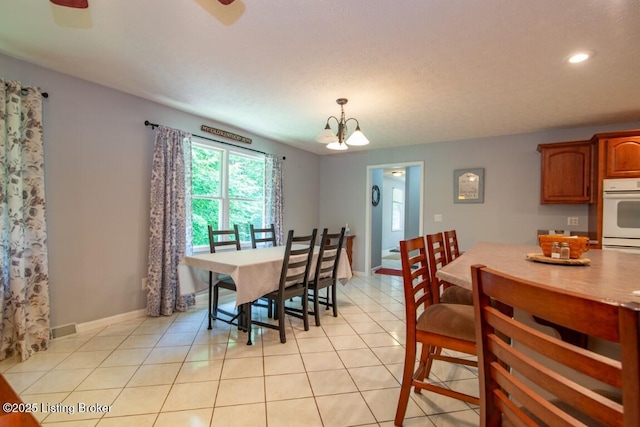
<point x="106" y="321"/>
<point x="123" y="317"/>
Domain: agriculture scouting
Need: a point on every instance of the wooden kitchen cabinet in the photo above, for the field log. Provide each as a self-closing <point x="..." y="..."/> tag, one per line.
<point x="616" y="155"/>
<point x="623" y="157"/>
<point x="566" y="172"/>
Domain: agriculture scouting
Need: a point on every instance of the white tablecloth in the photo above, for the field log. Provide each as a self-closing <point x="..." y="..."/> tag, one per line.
<point x="255" y="271"/>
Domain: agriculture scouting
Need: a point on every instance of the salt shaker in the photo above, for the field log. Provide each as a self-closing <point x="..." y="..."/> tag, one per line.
<point x="565" y="251"/>
<point x="555" y="250"/>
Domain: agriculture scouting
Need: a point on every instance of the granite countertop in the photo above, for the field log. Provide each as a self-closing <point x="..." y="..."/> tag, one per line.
<point x="611" y="275"/>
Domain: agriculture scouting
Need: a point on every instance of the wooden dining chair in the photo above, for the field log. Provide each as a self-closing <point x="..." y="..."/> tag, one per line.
<point x="264" y="237"/>
<point x="434" y="325"/>
<point x="448" y="293"/>
<point x="229" y="240"/>
<point x="326" y="273"/>
<point x="528" y="377"/>
<point x="451" y="245"/>
<point x="294" y="282"/>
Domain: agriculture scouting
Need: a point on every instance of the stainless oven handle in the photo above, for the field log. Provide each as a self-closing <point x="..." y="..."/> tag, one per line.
<point x="622" y="195"/>
<point x="628" y="249"/>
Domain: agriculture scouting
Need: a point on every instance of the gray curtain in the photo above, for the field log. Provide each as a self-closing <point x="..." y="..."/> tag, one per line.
<point x="274" y="203"/>
<point x="24" y="271"/>
<point x="170" y="237"/>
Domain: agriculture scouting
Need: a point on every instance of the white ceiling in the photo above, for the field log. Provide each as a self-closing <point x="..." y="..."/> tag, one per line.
<point x="414" y="71"/>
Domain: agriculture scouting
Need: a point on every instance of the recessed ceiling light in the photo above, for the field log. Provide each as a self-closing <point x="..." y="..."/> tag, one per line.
<point x="579" y="57"/>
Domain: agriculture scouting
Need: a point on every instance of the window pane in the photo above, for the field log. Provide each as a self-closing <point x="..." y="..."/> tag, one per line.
<point x="396" y="217"/>
<point x="246" y="177"/>
<point x="243" y="213"/>
<point x="206" y="168"/>
<point x="205" y="212"/>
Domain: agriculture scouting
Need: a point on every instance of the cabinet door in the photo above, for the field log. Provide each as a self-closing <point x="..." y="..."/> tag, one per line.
<point x="566" y="173"/>
<point x="623" y="157"/>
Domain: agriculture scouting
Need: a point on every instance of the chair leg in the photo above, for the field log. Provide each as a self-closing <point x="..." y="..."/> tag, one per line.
<point x="316" y="305"/>
<point x="216" y="295"/>
<point x="247" y="320"/>
<point x="424" y="364"/>
<point x="283" y="337"/>
<point x="210" y="286"/>
<point x="334" y="299"/>
<point x="305" y="309"/>
<point x="407" y="377"/>
<point x="427" y="359"/>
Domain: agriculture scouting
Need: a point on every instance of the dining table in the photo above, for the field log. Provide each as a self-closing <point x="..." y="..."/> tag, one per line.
<point x="609" y="275"/>
<point x="255" y="272"/>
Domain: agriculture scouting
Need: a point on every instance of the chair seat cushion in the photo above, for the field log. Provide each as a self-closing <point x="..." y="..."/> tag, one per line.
<point x="452" y="320"/>
<point x="457" y="295"/>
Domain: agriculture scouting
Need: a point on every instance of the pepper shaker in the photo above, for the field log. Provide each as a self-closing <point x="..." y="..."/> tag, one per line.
<point x="555" y="250"/>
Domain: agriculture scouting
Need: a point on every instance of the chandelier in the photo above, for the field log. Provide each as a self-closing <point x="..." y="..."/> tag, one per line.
<point x="336" y="141"/>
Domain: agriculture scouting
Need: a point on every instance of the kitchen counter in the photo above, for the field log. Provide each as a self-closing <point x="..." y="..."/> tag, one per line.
<point x="612" y="275"/>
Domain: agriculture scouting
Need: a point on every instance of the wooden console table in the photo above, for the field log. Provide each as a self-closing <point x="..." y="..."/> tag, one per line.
<point x="349" y="248"/>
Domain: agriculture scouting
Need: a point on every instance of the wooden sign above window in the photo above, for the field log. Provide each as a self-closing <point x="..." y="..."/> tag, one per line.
<point x="225" y="134"/>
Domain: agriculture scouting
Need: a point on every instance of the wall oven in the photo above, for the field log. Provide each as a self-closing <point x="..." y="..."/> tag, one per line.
<point x="621" y="214"/>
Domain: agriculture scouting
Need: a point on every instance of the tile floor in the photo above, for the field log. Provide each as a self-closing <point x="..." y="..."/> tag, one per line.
<point x="172" y="371"/>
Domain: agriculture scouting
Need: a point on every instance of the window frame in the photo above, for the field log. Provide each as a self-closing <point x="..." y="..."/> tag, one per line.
<point x="225" y="200"/>
<point x="397" y="209"/>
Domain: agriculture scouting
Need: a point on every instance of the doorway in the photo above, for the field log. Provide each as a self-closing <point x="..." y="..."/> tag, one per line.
<point x="385" y="213"/>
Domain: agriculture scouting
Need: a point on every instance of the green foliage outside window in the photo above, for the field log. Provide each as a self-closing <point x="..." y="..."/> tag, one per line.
<point x="245" y="192"/>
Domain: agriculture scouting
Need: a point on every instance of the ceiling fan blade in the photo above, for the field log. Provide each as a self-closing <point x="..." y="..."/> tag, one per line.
<point x="78" y="4"/>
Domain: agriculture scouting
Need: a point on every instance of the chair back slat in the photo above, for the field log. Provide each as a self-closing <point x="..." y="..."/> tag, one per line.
<point x="529" y="376"/>
<point x="418" y="287"/>
<point x="264" y="237"/>
<point x="329" y="255"/>
<point x="222" y="238"/>
<point x="297" y="259"/>
<point x="451" y="245"/>
<point x="437" y="258"/>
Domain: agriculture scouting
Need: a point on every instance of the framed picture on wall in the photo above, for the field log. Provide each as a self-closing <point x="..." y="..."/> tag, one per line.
<point x="468" y="185"/>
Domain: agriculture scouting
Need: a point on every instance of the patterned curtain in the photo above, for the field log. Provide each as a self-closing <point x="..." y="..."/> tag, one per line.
<point x="24" y="271"/>
<point x="274" y="195"/>
<point x="170" y="221"/>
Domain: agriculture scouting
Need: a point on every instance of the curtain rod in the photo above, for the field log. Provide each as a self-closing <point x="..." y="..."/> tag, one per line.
<point x="155" y="125"/>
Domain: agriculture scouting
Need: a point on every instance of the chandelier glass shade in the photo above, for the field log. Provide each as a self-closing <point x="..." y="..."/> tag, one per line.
<point x="336" y="141"/>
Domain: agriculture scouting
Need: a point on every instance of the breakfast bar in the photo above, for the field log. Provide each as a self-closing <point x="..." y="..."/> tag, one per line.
<point x="611" y="275"/>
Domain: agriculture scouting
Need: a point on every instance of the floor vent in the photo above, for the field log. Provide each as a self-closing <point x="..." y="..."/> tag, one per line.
<point x="62" y="331"/>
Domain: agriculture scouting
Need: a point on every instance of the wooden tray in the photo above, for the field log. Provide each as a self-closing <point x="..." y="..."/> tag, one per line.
<point x="549" y="260"/>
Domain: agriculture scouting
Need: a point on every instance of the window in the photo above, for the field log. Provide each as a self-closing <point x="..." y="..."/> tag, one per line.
<point x="397" y="209"/>
<point x="227" y="188"/>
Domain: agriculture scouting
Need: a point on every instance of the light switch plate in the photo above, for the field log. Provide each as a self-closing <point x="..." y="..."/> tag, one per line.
<point x="437" y="217"/>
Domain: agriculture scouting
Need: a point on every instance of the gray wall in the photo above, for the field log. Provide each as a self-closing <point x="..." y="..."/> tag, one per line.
<point x="97" y="174"/>
<point x="511" y="211"/>
<point x="412" y="202"/>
